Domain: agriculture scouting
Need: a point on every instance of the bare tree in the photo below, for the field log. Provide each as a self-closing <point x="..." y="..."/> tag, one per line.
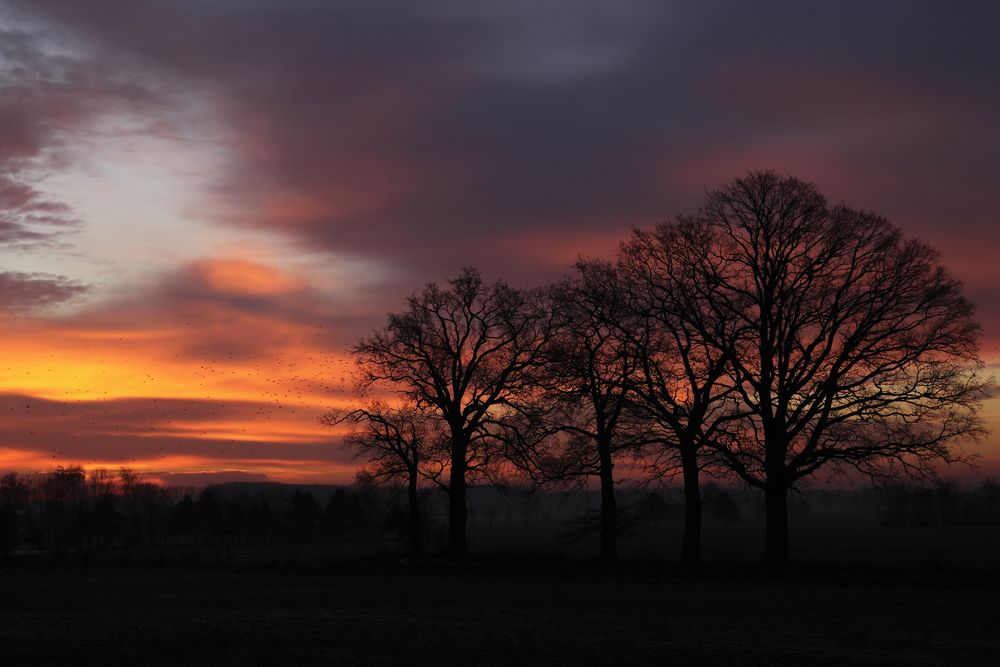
<point x="63" y="494"/>
<point x="683" y="351"/>
<point x="582" y="415"/>
<point x="101" y="487"/>
<point x="854" y="347"/>
<point x="468" y="353"/>
<point x="402" y="444"/>
<point x="14" y="496"/>
<point x="130" y="485"/>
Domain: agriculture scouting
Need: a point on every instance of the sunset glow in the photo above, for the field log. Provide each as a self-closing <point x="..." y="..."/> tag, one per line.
<point x="197" y="222"/>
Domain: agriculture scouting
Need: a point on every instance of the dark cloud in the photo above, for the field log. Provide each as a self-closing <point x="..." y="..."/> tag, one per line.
<point x="202" y="479"/>
<point x="427" y="134"/>
<point x="147" y="429"/>
<point x="27" y="216"/>
<point x="21" y="292"/>
<point x="224" y="310"/>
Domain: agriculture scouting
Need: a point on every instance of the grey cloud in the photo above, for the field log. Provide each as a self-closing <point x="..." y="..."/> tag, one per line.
<point x="21" y="292"/>
<point x="425" y="134"/>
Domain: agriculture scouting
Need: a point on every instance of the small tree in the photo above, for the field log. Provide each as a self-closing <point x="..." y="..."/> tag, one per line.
<point x="684" y="351"/>
<point x="14" y="493"/>
<point x="582" y="416"/>
<point x="63" y="495"/>
<point x="724" y="507"/>
<point x="468" y="353"/>
<point x="303" y="516"/>
<point x="101" y="487"/>
<point x="402" y="444"/>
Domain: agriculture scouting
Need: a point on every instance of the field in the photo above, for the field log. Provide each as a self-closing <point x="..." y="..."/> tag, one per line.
<point x="835" y="540"/>
<point x="538" y="602"/>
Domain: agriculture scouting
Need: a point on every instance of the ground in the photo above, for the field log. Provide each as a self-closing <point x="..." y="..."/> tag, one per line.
<point x="381" y="609"/>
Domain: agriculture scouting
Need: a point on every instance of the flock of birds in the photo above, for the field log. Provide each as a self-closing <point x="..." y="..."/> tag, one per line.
<point x="237" y="408"/>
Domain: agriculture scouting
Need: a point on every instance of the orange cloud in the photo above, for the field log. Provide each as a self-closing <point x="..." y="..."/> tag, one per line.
<point x="239" y="276"/>
<point x="225" y="365"/>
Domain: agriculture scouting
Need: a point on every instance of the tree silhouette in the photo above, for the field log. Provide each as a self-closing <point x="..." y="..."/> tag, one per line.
<point x="14" y="494"/>
<point x="403" y="444"/>
<point x="468" y="353"/>
<point x="582" y="416"/>
<point x="854" y="347"/>
<point x="185" y="518"/>
<point x="724" y="507"/>
<point x="130" y="483"/>
<point x="684" y="349"/>
<point x="211" y="507"/>
<point x="104" y="498"/>
<point x="63" y="494"/>
<point x="303" y="515"/>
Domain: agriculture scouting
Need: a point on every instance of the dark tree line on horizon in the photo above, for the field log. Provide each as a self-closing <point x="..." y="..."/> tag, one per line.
<point x="101" y="517"/>
<point x="97" y="511"/>
<point x="763" y="338"/>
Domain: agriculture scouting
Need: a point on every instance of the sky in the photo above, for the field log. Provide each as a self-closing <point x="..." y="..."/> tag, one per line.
<point x="204" y="204"/>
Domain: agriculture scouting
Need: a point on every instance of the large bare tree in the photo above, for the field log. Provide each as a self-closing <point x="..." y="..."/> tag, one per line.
<point x="467" y="352"/>
<point x="852" y="347"/>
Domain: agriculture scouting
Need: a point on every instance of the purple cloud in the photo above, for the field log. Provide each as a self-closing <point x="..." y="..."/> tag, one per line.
<point x="21" y="292"/>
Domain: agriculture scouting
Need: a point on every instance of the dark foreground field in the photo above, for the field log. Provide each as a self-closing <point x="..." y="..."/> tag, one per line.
<point x="381" y="610"/>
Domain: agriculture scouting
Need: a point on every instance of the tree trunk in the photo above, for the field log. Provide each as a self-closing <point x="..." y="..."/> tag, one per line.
<point x="457" y="513"/>
<point x="609" y="505"/>
<point x="691" y="545"/>
<point x="415" y="545"/>
<point x="776" y="546"/>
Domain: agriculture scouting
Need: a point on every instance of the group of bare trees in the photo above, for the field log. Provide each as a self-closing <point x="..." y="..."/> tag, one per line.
<point x="95" y="511"/>
<point x="72" y="508"/>
<point x="766" y="337"/>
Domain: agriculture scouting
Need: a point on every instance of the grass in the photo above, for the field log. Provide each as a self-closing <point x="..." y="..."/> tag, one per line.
<point x="381" y="610"/>
<point x="833" y="540"/>
<point x="845" y="601"/>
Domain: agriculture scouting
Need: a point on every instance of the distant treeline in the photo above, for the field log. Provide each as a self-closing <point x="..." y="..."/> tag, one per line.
<point x="72" y="509"/>
<point x="945" y="504"/>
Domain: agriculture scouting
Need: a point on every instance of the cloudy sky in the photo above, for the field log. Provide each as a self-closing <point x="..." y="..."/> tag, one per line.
<point x="203" y="204"/>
